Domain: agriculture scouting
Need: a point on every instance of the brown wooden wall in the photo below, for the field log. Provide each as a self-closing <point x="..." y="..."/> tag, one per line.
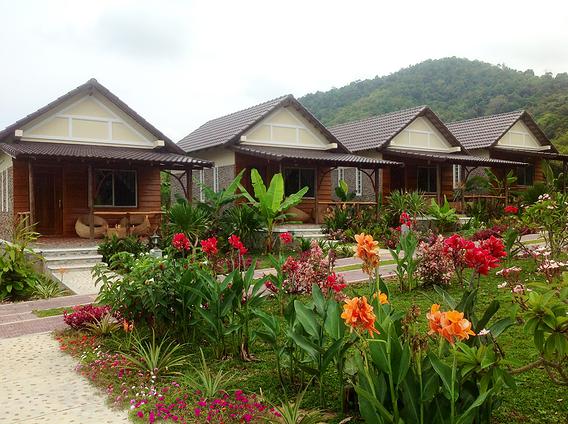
<point x="75" y="191"/>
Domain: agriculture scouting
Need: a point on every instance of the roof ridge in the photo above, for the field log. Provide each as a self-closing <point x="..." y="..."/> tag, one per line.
<point x="417" y="108"/>
<point x="479" y="118"/>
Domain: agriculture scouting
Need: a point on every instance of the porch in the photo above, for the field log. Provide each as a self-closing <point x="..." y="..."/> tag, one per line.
<point x="307" y="168"/>
<point x="58" y="186"/>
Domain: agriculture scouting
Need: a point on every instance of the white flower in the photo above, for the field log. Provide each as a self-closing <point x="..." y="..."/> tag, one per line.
<point x="483" y="332"/>
<point x="502" y="285"/>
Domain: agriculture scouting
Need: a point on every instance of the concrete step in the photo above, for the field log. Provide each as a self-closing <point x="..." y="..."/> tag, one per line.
<point x="72" y="259"/>
<point x="71" y="251"/>
<point x="70" y="267"/>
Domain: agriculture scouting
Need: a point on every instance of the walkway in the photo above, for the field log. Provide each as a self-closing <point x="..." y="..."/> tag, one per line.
<point x="39" y="385"/>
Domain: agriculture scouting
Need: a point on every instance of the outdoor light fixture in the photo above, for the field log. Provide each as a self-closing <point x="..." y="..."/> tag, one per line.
<point x="155" y="252"/>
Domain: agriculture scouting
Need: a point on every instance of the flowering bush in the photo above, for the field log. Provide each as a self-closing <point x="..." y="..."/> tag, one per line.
<point x="286" y="238"/>
<point x="180" y="242"/>
<point x="510" y="209"/>
<point x="84" y="314"/>
<point x="311" y="267"/>
<point x="435" y="266"/>
<point x="209" y="246"/>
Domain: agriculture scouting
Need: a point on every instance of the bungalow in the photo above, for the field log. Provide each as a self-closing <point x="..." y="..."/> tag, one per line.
<point x="280" y="135"/>
<point x="431" y="153"/>
<point x="512" y="135"/>
<point x="85" y="157"/>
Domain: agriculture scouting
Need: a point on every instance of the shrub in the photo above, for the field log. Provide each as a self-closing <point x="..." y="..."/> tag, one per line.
<point x="435" y="266"/>
<point x="47" y="288"/>
<point x="84" y="314"/>
<point x="110" y="246"/>
<point x="195" y="221"/>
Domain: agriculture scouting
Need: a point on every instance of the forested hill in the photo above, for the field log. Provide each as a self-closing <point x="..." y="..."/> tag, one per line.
<point x="455" y="89"/>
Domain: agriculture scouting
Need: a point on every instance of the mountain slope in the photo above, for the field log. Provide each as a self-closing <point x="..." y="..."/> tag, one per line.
<point x="455" y="89"/>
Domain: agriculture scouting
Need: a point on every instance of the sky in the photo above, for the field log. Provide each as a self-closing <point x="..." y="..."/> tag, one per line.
<point x="180" y="63"/>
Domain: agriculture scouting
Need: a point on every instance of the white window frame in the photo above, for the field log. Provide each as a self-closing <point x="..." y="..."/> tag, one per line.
<point x="215" y="179"/>
<point x="358" y="182"/>
<point x="340" y="174"/>
<point x="457" y="174"/>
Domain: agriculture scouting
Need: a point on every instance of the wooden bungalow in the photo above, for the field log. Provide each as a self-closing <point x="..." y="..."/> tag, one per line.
<point x="433" y="158"/>
<point x="280" y="135"/>
<point x="86" y="156"/>
<point x="512" y="136"/>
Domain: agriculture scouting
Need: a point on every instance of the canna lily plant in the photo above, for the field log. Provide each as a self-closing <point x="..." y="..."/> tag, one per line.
<point x="270" y="203"/>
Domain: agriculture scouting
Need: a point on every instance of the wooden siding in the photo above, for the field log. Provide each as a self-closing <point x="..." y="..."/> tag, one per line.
<point x="75" y="202"/>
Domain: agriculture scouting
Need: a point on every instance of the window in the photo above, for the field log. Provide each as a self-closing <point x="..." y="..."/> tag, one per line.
<point x="201" y="179"/>
<point x="457" y="173"/>
<point x="427" y="179"/>
<point x="340" y="175"/>
<point x="297" y="178"/>
<point x="525" y="175"/>
<point x="4" y="204"/>
<point x="215" y="179"/>
<point x="358" y="182"/>
<point x="115" y="187"/>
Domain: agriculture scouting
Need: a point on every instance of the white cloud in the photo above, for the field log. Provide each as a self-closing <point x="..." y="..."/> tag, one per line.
<point x="180" y="63"/>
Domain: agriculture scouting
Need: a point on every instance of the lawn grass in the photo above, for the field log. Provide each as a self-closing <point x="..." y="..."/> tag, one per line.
<point x="43" y="313"/>
<point x="535" y="399"/>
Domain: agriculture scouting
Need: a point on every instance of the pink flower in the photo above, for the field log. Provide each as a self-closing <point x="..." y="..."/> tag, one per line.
<point x="181" y="242"/>
<point x="286" y="238"/>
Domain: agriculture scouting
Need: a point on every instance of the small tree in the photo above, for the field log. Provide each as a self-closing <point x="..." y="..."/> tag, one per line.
<point x="270" y="203"/>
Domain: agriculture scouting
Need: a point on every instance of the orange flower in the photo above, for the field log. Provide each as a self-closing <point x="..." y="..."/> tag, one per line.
<point x="358" y="314"/>
<point x="367" y="250"/>
<point x="383" y="298"/>
<point x="128" y="327"/>
<point x="450" y="325"/>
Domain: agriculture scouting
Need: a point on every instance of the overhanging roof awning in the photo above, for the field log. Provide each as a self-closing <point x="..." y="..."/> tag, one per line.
<point x="41" y="150"/>
<point x="321" y="157"/>
<point x="532" y="154"/>
<point x="456" y="159"/>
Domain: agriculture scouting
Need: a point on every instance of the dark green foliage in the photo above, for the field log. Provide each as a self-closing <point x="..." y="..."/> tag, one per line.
<point x="455" y="89"/>
<point x="110" y="246"/>
<point x="192" y="220"/>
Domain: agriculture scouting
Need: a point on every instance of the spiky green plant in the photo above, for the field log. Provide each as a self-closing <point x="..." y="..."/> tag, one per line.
<point x="209" y="383"/>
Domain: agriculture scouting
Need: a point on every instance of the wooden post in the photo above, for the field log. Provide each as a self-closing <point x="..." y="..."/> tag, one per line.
<point x="506" y="186"/>
<point x="377" y="191"/>
<point x="31" y="194"/>
<point x="439" y="183"/>
<point x="564" y="176"/>
<point x="90" y="202"/>
<point x="189" y="184"/>
<point x="316" y="196"/>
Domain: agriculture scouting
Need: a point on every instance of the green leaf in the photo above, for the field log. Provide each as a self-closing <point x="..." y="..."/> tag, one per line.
<point x="489" y="312"/>
<point x="500" y="326"/>
<point x="333" y="324"/>
<point x="445" y="373"/>
<point x="306" y="317"/>
<point x="465" y="418"/>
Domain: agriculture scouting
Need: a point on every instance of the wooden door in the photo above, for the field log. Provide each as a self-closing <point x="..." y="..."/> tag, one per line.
<point x="48" y="201"/>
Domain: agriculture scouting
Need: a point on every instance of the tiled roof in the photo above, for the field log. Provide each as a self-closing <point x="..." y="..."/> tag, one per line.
<point x="43" y="150"/>
<point x="91" y="85"/>
<point x="452" y="158"/>
<point x="318" y="156"/>
<point x="375" y="132"/>
<point x="485" y="131"/>
<point x="229" y="128"/>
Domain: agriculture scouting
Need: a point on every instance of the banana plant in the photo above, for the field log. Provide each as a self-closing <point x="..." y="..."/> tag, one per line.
<point x="270" y="202"/>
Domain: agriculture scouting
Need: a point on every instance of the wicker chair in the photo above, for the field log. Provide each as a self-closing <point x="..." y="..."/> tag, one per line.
<point x="84" y="231"/>
<point x="138" y="225"/>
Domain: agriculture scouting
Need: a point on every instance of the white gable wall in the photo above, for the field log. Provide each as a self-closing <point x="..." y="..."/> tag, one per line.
<point x="286" y="127"/>
<point x="420" y="134"/>
<point x="88" y="119"/>
<point x="520" y="137"/>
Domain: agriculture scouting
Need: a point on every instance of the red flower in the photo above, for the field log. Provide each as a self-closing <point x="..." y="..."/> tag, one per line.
<point x="286" y="238"/>
<point x="209" y="246"/>
<point x="495" y="247"/>
<point x="481" y="260"/>
<point x="510" y="209"/>
<point x="405" y="220"/>
<point x="181" y="242"/>
<point x="271" y="287"/>
<point x="335" y="283"/>
<point x="236" y="243"/>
